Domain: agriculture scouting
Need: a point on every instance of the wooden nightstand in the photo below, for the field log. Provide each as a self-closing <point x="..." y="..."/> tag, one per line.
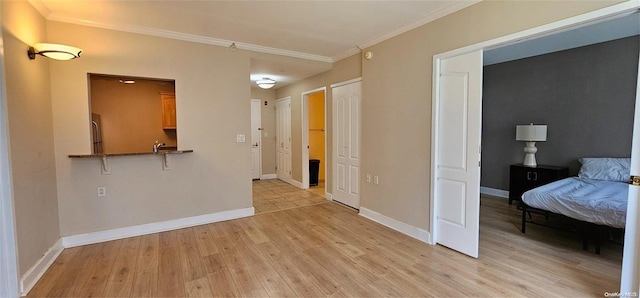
<point x="523" y="178"/>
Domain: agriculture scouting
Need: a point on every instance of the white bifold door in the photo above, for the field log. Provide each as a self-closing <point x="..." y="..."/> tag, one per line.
<point x="346" y="103"/>
<point x="283" y="139"/>
<point x="457" y="120"/>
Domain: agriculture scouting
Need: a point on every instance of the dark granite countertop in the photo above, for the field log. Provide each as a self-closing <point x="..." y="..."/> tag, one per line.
<point x="161" y="152"/>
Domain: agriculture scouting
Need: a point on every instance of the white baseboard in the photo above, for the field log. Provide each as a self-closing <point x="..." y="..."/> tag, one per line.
<point x="29" y="279"/>
<point x="268" y="176"/>
<point x="108" y="235"/>
<point x="329" y="196"/>
<point x="297" y="184"/>
<point x="401" y="227"/>
<point x="494" y="192"/>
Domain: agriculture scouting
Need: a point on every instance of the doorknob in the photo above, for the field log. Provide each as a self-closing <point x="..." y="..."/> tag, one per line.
<point x="256" y="145"/>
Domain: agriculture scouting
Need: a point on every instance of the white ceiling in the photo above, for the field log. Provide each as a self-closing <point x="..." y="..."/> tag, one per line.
<point x="323" y="31"/>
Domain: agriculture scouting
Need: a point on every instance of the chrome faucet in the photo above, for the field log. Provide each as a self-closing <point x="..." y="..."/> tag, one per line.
<point x="157" y="146"/>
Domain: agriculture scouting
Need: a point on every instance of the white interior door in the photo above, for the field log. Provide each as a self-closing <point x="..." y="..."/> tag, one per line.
<point x="256" y="136"/>
<point x="283" y="139"/>
<point x="457" y="129"/>
<point x="630" y="280"/>
<point x="346" y="143"/>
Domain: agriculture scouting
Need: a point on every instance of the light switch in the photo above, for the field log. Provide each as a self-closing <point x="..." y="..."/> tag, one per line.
<point x="368" y="178"/>
<point x="240" y="139"/>
<point x="375" y="180"/>
<point x="102" y="191"/>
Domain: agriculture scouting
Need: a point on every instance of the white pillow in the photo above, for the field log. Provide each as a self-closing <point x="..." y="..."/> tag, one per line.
<point x="604" y="168"/>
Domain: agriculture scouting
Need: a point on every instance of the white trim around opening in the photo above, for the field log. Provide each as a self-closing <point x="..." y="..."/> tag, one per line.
<point x="8" y="253"/>
<point x="593" y="17"/>
<point x="305" y="133"/>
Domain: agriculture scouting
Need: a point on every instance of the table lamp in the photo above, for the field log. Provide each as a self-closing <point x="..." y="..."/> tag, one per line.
<point x="531" y="134"/>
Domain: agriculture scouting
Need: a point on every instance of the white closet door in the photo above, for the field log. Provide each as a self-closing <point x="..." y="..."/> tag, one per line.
<point x="346" y="143"/>
<point x="283" y="139"/>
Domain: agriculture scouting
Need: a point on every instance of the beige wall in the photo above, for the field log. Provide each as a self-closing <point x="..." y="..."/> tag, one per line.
<point x="396" y="110"/>
<point x="343" y="70"/>
<point x="131" y="114"/>
<point x="30" y="133"/>
<point x="212" y="98"/>
<point x="268" y="118"/>
<point x="316" y="130"/>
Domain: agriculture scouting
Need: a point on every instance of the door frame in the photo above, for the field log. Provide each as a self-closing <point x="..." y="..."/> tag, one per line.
<point x="9" y="284"/>
<point x="305" y="134"/>
<point x="259" y="101"/>
<point x="630" y="283"/>
<point x="614" y="11"/>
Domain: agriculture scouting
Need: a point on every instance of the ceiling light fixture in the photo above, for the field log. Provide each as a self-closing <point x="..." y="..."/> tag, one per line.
<point x="266" y="83"/>
<point x="127" y="81"/>
<point x="54" y="51"/>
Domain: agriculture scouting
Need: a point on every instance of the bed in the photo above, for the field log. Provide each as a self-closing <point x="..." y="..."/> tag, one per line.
<point x="597" y="197"/>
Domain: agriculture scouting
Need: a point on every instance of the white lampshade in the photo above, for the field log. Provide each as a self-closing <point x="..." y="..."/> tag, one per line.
<point x="54" y="51"/>
<point x="531" y="133"/>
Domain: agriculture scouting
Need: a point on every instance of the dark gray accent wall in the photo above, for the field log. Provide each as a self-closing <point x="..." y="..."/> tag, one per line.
<point x="586" y="96"/>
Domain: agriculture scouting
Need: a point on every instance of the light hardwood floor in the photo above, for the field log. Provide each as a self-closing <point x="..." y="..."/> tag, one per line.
<point x="273" y="195"/>
<point x="328" y="250"/>
<point x="318" y="189"/>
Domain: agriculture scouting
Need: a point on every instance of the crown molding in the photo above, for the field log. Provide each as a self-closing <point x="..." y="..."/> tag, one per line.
<point x="40" y="7"/>
<point x="346" y="54"/>
<point x="429" y="18"/>
<point x="45" y="12"/>
<point x="186" y="37"/>
<point x="276" y="51"/>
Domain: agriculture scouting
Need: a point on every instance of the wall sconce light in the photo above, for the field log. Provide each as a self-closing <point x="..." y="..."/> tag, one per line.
<point x="54" y="51"/>
<point x="531" y="134"/>
<point x="266" y="83"/>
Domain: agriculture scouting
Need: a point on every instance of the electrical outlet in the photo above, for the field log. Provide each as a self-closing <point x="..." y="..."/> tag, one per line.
<point x="376" y="180"/>
<point x="368" y="178"/>
<point x="240" y="139"/>
<point x="102" y="191"/>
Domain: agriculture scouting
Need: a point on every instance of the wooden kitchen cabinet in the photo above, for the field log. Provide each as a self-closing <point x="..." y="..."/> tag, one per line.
<point x="168" y="110"/>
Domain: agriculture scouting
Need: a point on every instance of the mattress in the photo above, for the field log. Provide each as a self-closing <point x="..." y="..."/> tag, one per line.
<point x="596" y="201"/>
